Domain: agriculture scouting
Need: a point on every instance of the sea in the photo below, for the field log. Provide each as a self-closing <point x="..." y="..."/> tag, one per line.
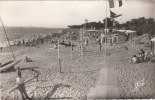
<point x="20" y="33"/>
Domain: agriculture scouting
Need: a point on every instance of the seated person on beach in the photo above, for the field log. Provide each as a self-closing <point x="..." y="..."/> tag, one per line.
<point x="28" y="59"/>
<point x="55" y="46"/>
<point x="134" y="59"/>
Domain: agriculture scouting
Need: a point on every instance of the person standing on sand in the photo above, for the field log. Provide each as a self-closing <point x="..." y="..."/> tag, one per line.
<point x="142" y="53"/>
<point x="23" y="42"/>
<point x="100" y="44"/>
<point x="21" y="85"/>
<point x="1" y="48"/>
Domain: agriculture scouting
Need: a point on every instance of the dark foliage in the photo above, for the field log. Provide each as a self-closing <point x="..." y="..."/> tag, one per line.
<point x="141" y="25"/>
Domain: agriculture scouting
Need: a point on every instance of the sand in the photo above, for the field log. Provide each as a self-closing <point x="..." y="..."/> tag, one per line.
<point x="79" y="74"/>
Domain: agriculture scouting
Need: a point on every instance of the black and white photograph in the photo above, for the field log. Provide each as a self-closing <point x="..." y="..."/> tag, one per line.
<point x="77" y="49"/>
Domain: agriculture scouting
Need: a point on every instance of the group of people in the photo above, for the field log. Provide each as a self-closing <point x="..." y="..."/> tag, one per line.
<point x="29" y="42"/>
<point x="141" y="57"/>
<point x="34" y="40"/>
<point x="27" y="59"/>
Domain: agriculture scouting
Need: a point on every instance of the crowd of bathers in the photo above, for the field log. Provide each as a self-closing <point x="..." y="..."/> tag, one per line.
<point x="33" y="41"/>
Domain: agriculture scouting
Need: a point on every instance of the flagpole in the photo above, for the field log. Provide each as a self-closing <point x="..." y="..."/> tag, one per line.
<point x="81" y="33"/>
<point x="59" y="56"/>
<point x="71" y="50"/>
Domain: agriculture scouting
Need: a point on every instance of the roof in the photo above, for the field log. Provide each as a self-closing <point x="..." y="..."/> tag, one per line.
<point x="126" y="31"/>
<point x="130" y="31"/>
<point x="92" y="30"/>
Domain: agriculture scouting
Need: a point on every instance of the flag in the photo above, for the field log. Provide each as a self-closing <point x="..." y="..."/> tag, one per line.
<point x="112" y="3"/>
<point x="86" y="20"/>
<point x="120" y="3"/>
<point x="113" y="15"/>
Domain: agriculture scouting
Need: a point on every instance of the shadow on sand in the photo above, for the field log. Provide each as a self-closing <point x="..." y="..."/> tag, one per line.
<point x="13" y="69"/>
<point x="55" y="89"/>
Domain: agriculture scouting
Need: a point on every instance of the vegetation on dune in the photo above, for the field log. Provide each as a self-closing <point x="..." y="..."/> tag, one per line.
<point x="141" y="25"/>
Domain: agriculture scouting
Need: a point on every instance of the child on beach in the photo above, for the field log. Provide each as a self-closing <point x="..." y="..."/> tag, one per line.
<point x="21" y="85"/>
<point x="28" y="59"/>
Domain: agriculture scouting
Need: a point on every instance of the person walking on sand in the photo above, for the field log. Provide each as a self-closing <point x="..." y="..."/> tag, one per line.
<point x="21" y="85"/>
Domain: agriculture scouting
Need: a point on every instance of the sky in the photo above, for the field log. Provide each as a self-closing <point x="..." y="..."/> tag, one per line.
<point x="60" y="14"/>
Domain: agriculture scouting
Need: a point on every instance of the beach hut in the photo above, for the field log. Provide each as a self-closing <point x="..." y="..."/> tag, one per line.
<point x="153" y="46"/>
<point x="129" y="33"/>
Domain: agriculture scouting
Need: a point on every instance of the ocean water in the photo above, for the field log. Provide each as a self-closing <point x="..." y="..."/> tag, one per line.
<point x="19" y="33"/>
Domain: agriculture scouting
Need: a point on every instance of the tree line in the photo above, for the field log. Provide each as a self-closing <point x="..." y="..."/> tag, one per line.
<point x="141" y="25"/>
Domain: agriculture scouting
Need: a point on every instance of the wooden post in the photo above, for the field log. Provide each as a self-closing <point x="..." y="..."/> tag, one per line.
<point x="81" y="40"/>
<point x="72" y="46"/>
<point x="13" y="95"/>
<point x="153" y="48"/>
<point x="59" y="61"/>
<point x="71" y="50"/>
<point x="132" y="40"/>
<point x="82" y="43"/>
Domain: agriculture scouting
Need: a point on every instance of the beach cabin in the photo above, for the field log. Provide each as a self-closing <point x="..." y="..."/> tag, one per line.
<point x="93" y="32"/>
<point x="153" y="46"/>
<point x="126" y="35"/>
<point x="130" y="34"/>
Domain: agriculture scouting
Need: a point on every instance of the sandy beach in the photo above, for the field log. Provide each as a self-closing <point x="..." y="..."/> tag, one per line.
<point x="79" y="74"/>
<point x="77" y="49"/>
